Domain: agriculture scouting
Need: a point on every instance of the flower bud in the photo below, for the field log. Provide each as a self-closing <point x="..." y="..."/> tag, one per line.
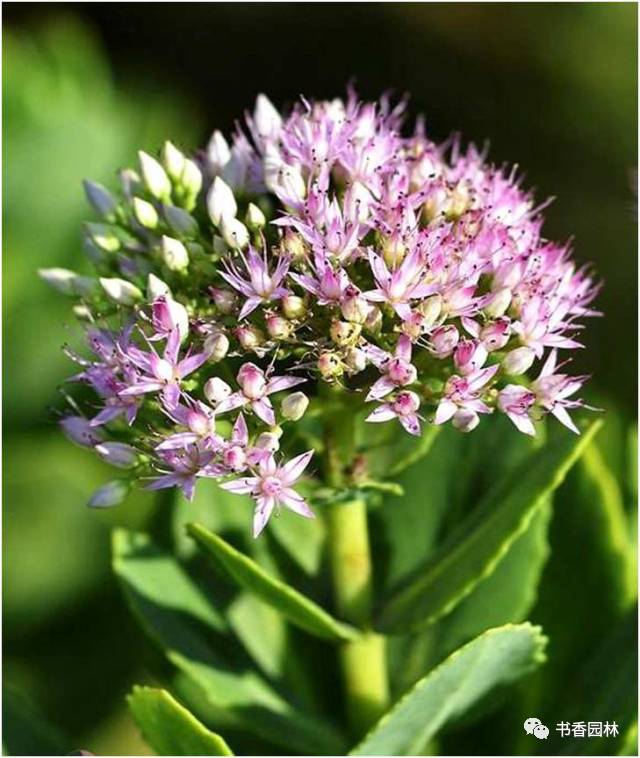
<point x="496" y="335"/>
<point x="498" y="303"/>
<point x="120" y="291"/>
<point x="344" y="332"/>
<point x="255" y="218"/>
<point x="401" y="372"/>
<point x="469" y="356"/>
<point x="518" y="361"/>
<point x="465" y="420"/>
<point x="330" y="366"/>
<point x="167" y="315"/>
<point x="413" y="326"/>
<point x="216" y="346"/>
<point x="249" y="336"/>
<point x="269" y="441"/>
<point x="234" y="233"/>
<point x="79" y="430"/>
<point x="355" y="360"/>
<point x="216" y="390"/>
<point x="430" y="308"/>
<point x="67" y="282"/>
<point x="110" y="494"/>
<point x="294" y="406"/>
<point x="373" y="323"/>
<point x="156" y="288"/>
<point x="117" y="454"/>
<point x="252" y="381"/>
<point x="104" y="237"/>
<point x="154" y="176"/>
<point x="191" y="178"/>
<point x="173" y="160"/>
<point x="293" y="244"/>
<point x="293" y="307"/>
<point x="102" y="201"/>
<point x="278" y="327"/>
<point x="443" y="340"/>
<point x="459" y="201"/>
<point x="220" y="201"/>
<point x="225" y="300"/>
<point x="234" y="458"/>
<point x="146" y="215"/>
<point x="355" y="307"/>
<point x="266" y="118"/>
<point x="393" y="251"/>
<point x="174" y="254"/>
<point x="292" y="183"/>
<point x="82" y="312"/>
<point x="180" y="221"/>
<point x="130" y="182"/>
<point x="218" y="152"/>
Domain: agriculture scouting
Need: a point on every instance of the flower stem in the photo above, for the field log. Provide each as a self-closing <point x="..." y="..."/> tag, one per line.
<point x="363" y="660"/>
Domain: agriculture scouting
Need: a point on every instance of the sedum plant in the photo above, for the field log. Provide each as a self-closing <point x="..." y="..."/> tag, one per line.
<point x="279" y="328"/>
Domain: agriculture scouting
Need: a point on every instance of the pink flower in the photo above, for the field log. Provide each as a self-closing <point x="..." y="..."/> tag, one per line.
<point x="553" y="390"/>
<point x="400" y="286"/>
<point x="397" y="369"/>
<point x="404" y="407"/>
<point x="462" y="397"/>
<point x="254" y="390"/>
<point x="271" y="488"/>
<point x="517" y="401"/>
<point x="185" y="466"/>
<point x="261" y="286"/>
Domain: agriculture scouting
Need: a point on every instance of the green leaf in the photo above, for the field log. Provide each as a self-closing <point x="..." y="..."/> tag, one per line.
<point x="297" y="608"/>
<point x="26" y="731"/>
<point x="497" y="657"/>
<point x="195" y="637"/>
<point x="169" y="728"/>
<point x="476" y="547"/>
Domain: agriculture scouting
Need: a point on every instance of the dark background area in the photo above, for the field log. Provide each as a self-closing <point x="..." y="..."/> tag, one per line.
<point x="552" y="86"/>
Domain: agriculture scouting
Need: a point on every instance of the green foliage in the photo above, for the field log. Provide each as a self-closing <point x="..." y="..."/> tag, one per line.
<point x="169" y="727"/>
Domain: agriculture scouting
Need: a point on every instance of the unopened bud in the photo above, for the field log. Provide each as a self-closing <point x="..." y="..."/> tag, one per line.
<point x="220" y="201"/>
<point x="249" y="337"/>
<point x="219" y="246"/>
<point x="102" y="201"/>
<point x="355" y="360"/>
<point x="130" y="182"/>
<point x="218" y="152"/>
<point x="225" y="300"/>
<point x="103" y="236"/>
<point x="79" y="430"/>
<point x="469" y="356"/>
<point x="293" y="244"/>
<point x="117" y="454"/>
<point x="180" y="221"/>
<point x="234" y="458"/>
<point x="67" y="282"/>
<point x="252" y="381"/>
<point x="373" y="323"/>
<point x="173" y="160"/>
<point x="269" y="440"/>
<point x="465" y="420"/>
<point x="430" y="308"/>
<point x="234" y="233"/>
<point x="146" y="215"/>
<point x="443" y="340"/>
<point x="344" y="332"/>
<point x="191" y="178"/>
<point x="266" y="118"/>
<point x="278" y="327"/>
<point x="293" y="307"/>
<point x="169" y="315"/>
<point x="498" y="303"/>
<point x="156" y="288"/>
<point x="216" y="390"/>
<point x="518" y="361"/>
<point x="154" y="176"/>
<point x="496" y="335"/>
<point x="393" y="251"/>
<point x="330" y="366"/>
<point x="216" y="346"/>
<point x="294" y="406"/>
<point x="174" y="254"/>
<point x="121" y="291"/>
<point x="255" y="217"/>
<point x="355" y="308"/>
<point x="110" y="494"/>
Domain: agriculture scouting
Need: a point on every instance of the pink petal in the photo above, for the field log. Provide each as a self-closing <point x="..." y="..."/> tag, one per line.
<point x="403" y="348"/>
<point x="446" y="410"/>
<point x="262" y="513"/>
<point x="294" y="468"/>
<point x="382" y="413"/>
<point x="240" y="433"/>
<point x="564" y="418"/>
<point x="249" y="307"/>
<point x="380" y="389"/>
<point x="411" y="424"/>
<point x="243" y="486"/>
<point x="237" y="400"/>
<point x="278" y="383"/>
<point x="292" y="500"/>
<point x="264" y="410"/>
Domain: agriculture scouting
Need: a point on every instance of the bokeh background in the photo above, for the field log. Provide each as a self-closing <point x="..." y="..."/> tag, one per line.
<point x="553" y="86"/>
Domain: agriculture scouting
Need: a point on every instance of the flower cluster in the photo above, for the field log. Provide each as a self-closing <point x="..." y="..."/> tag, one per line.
<point x="320" y="247"/>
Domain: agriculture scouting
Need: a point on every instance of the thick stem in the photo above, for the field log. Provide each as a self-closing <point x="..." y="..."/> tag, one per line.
<point x="363" y="660"/>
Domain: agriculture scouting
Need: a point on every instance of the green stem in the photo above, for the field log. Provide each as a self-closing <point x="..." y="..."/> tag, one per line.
<point x="363" y="660"/>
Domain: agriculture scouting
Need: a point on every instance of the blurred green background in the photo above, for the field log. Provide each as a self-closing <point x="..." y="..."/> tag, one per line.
<point x="553" y="86"/>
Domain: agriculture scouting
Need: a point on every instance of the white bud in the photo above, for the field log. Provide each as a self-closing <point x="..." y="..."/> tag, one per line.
<point x="266" y="118"/>
<point x="218" y="152"/>
<point x="255" y="217"/>
<point x="465" y="420"/>
<point x="191" y="177"/>
<point x="130" y="182"/>
<point x="154" y="176"/>
<point x="121" y="291"/>
<point x="291" y="181"/>
<point x="173" y="160"/>
<point x="100" y="198"/>
<point x="355" y="360"/>
<point x="216" y="346"/>
<point x="294" y="406"/>
<point x="519" y="360"/>
<point x="104" y="237"/>
<point x="67" y="282"/>
<point x="498" y="303"/>
<point x="117" y="454"/>
<point x="216" y="390"/>
<point x="221" y="203"/>
<point x="146" y="215"/>
<point x="174" y="254"/>
<point x="180" y="221"/>
<point x="234" y="233"/>
<point x="110" y="494"/>
<point x="156" y="288"/>
<point x="269" y="441"/>
<point x="430" y="309"/>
